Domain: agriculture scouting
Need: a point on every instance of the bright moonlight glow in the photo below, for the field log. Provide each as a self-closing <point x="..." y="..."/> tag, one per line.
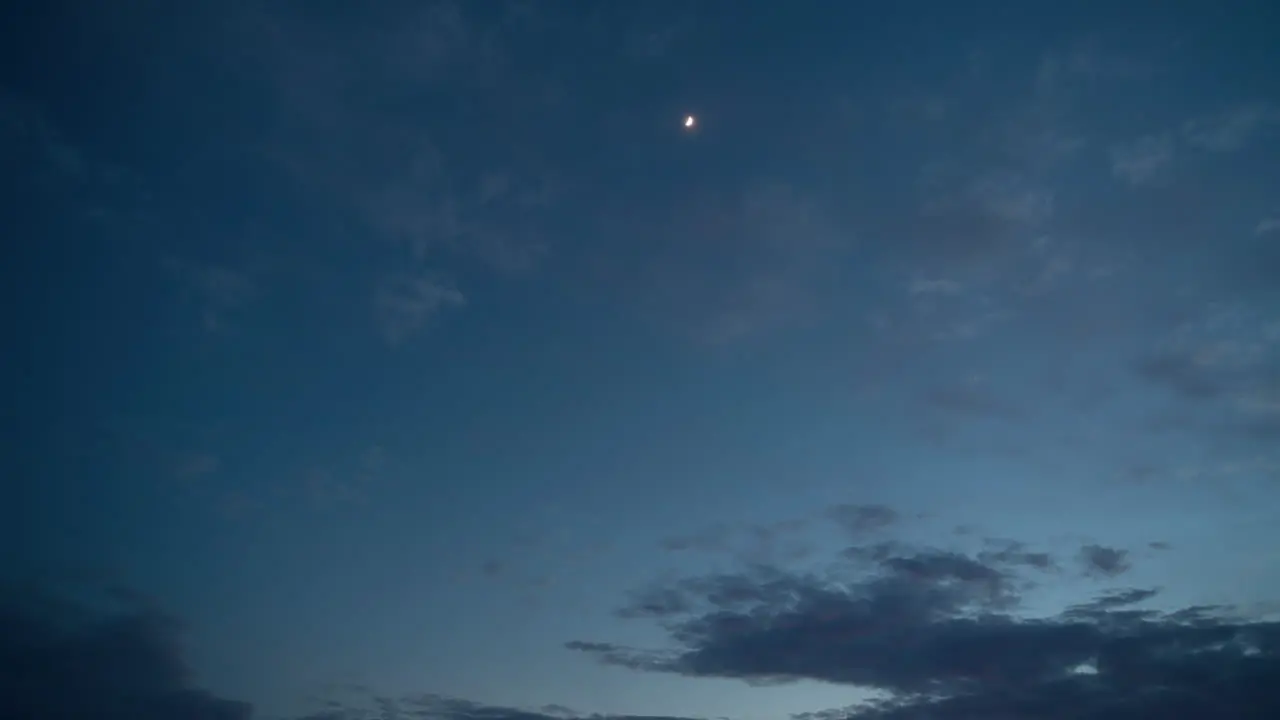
<point x="689" y="121"/>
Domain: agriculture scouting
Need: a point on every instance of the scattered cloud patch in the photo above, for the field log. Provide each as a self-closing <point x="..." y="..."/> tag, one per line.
<point x="434" y="111"/>
<point x="1107" y="562"/>
<point x="1221" y="362"/>
<point x="942" y="634"/>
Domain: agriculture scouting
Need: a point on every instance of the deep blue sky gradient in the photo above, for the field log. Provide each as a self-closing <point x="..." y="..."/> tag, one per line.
<point x="411" y="347"/>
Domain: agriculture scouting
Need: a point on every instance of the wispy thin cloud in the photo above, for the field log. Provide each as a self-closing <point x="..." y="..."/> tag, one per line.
<point x="218" y="291"/>
<point x="742" y="265"/>
<point x="1145" y="161"/>
<point x="198" y="466"/>
<point x="1231" y="130"/>
<point x="406" y="304"/>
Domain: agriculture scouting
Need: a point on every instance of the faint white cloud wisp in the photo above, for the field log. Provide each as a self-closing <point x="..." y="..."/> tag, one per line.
<point x="1143" y="162"/>
<point x="1229" y="131"/>
<point x="405" y="304"/>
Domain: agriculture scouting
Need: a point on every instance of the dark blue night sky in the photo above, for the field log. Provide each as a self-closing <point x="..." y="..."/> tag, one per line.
<point x="414" y="360"/>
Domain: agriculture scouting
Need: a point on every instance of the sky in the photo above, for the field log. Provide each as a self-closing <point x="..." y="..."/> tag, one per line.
<point x="415" y="360"/>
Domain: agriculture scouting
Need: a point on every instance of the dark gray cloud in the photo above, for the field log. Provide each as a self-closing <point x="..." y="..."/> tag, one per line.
<point x="1104" y="561"/>
<point x="1111" y="601"/>
<point x="768" y="625"/>
<point x="942" y="635"/>
<point x="442" y="707"/>
<point x="59" y="659"/>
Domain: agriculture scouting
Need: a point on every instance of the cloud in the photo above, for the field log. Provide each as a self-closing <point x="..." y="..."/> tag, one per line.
<point x="1104" y="561"/>
<point x="30" y="142"/>
<point x="1112" y="600"/>
<point x="52" y="166"/>
<point x="943" y="634"/>
<point x="1222" y="362"/>
<point x="1267" y="225"/>
<point x="958" y="230"/>
<point x="378" y="127"/>
<point x="971" y="398"/>
<point x="1148" y="160"/>
<point x="349" y="483"/>
<point x="60" y="659"/>
<point x="921" y="286"/>
<point x="405" y="304"/>
<point x="1014" y="198"/>
<point x="861" y="519"/>
<point x="656" y="43"/>
<point x="1228" y="131"/>
<point x="992" y="187"/>
<point x="218" y="291"/>
<point x="765" y="625"/>
<point x="198" y="466"/>
<point x="749" y="542"/>
<point x="760" y="259"/>
<point x="430" y="706"/>
<point x="1011" y="553"/>
<point x="1143" y="162"/>
<point x="984" y="195"/>
<point x="1182" y="376"/>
